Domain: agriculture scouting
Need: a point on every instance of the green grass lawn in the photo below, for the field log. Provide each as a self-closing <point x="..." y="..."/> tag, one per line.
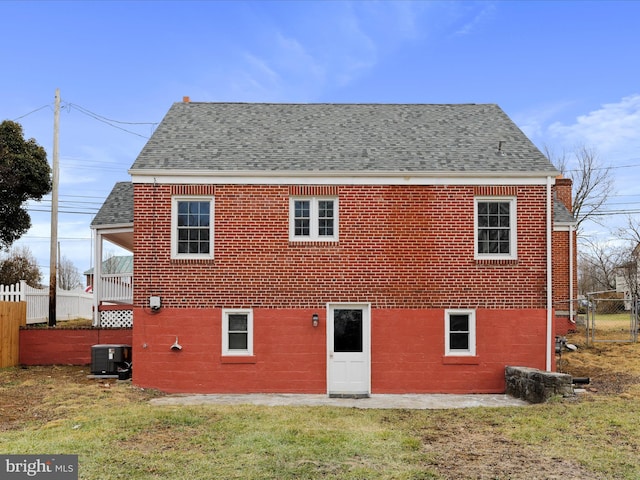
<point x="119" y="435"/>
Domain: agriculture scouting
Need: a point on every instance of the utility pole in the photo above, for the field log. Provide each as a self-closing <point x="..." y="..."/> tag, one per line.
<point x="53" y="253"/>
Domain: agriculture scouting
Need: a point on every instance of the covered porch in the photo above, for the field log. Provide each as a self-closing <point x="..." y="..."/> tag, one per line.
<point x="112" y="278"/>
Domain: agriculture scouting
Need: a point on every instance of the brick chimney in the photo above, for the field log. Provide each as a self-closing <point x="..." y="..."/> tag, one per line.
<point x="563" y="192"/>
<point x="186" y="99"/>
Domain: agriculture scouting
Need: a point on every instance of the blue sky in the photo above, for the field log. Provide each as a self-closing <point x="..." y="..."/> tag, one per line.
<point x="568" y="73"/>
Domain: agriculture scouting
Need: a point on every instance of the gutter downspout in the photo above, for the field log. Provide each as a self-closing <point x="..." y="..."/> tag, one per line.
<point x="550" y="343"/>
<point x="571" y="267"/>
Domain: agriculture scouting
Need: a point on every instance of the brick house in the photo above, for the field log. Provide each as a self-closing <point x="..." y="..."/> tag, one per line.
<point x="345" y="249"/>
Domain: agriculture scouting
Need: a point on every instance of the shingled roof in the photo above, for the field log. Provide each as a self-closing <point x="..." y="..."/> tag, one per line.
<point x="117" y="208"/>
<point x="333" y="138"/>
<point x="561" y="214"/>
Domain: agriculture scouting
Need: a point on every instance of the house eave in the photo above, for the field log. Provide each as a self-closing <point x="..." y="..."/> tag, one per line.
<point x="338" y="177"/>
<point x="564" y="226"/>
<point x="114" y="226"/>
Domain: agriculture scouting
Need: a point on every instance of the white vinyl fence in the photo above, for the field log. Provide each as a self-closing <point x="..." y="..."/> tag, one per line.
<point x="70" y="304"/>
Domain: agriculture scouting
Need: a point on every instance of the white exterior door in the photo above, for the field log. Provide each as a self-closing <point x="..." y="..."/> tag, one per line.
<point x="348" y="350"/>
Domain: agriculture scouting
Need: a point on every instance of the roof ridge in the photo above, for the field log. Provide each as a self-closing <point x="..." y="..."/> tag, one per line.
<point x="191" y="102"/>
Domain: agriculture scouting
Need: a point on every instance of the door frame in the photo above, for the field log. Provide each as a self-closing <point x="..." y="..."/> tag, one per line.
<point x="366" y="341"/>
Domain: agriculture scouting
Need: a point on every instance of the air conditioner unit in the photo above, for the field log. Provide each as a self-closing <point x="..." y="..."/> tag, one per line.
<point x="110" y="359"/>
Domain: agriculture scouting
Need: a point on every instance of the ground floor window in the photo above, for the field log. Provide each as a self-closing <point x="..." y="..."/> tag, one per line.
<point x="237" y="332"/>
<point x="460" y="332"/>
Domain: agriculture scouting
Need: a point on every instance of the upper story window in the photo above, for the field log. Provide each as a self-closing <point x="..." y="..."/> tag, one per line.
<point x="192" y="227"/>
<point x="460" y="332"/>
<point x="495" y="232"/>
<point x="313" y="218"/>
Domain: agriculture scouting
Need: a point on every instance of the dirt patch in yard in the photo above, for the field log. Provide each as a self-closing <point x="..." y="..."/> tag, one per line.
<point x="472" y="453"/>
<point x="40" y="395"/>
<point x="613" y="368"/>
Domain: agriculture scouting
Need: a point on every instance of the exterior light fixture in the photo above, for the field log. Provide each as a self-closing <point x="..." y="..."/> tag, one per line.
<point x="315" y="319"/>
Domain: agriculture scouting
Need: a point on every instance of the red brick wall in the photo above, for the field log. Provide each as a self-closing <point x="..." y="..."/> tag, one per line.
<point x="409" y="251"/>
<point x="563" y="189"/>
<point x="407" y="351"/>
<point x="66" y="346"/>
<point x="400" y="247"/>
<point x="562" y="296"/>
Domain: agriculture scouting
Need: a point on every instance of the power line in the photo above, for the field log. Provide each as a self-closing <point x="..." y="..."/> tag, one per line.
<point x="102" y="117"/>
<point x="615" y="212"/>
<point x="93" y="167"/>
<point x="83" y="196"/>
<point x="625" y="195"/>
<point x="610" y="167"/>
<point x="96" y="116"/>
<point x="37" y="237"/>
<point x="63" y="211"/>
<point x="32" y="111"/>
<point x="73" y="202"/>
<point x="110" y="122"/>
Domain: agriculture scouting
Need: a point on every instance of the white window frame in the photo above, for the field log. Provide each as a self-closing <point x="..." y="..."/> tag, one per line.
<point x="314" y="235"/>
<point x="174" y="227"/>
<point x="471" y="351"/>
<point x="513" y="229"/>
<point x="226" y="351"/>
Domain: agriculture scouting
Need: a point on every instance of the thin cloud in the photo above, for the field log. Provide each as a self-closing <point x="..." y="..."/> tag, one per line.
<point x="478" y="19"/>
<point x="611" y="128"/>
<point x="262" y="69"/>
<point x="334" y="46"/>
<point x="534" y="122"/>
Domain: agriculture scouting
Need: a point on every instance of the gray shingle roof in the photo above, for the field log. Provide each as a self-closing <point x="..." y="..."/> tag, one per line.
<point x="118" y="207"/>
<point x="561" y="214"/>
<point x="244" y="137"/>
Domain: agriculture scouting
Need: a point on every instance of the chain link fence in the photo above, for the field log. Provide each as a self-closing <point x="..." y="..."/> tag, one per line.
<point x="609" y="317"/>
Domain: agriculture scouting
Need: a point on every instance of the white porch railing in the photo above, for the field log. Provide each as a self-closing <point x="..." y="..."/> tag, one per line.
<point x="116" y="288"/>
<point x="70" y="304"/>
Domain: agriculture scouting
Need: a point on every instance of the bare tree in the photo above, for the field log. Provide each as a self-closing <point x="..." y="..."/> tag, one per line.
<point x="631" y="231"/>
<point x="68" y="275"/>
<point x="630" y="261"/>
<point x="597" y="267"/>
<point x="592" y="181"/>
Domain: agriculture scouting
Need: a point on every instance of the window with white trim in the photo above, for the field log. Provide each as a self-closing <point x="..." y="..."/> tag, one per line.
<point x="495" y="228"/>
<point x="313" y="218"/>
<point x="460" y="332"/>
<point x="192" y="227"/>
<point x="237" y="332"/>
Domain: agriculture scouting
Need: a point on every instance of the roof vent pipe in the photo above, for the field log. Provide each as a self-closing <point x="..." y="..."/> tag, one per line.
<point x="501" y="143"/>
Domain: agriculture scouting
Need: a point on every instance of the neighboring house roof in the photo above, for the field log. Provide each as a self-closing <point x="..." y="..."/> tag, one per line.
<point x="118" y="207"/>
<point x="119" y="264"/>
<point x="463" y="139"/>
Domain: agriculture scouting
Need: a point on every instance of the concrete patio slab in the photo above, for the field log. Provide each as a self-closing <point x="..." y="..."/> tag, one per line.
<point x="404" y="401"/>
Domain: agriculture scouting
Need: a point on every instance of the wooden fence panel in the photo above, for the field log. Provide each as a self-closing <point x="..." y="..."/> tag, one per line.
<point x="13" y="315"/>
